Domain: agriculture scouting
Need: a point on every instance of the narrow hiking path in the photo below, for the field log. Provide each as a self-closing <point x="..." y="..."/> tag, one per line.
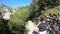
<point x="31" y="27"/>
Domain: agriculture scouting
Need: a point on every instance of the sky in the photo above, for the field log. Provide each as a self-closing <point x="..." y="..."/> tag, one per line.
<point x="14" y="3"/>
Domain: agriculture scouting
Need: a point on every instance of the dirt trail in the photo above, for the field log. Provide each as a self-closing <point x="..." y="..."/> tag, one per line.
<point x="31" y="27"/>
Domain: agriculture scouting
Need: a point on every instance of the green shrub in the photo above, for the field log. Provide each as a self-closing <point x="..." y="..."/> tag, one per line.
<point x="17" y="21"/>
<point x="54" y="10"/>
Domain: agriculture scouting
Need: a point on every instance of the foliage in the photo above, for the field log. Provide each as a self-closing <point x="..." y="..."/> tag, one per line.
<point x="4" y="29"/>
<point x="37" y="6"/>
<point x="17" y="21"/>
<point x="55" y="10"/>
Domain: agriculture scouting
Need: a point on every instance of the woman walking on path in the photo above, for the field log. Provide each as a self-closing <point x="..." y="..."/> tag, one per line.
<point x="43" y="26"/>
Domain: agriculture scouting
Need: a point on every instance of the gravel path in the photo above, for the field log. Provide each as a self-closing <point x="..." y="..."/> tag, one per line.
<point x="31" y="27"/>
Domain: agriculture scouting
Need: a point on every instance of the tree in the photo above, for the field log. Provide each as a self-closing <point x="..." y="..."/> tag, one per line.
<point x="17" y="21"/>
<point x="37" y="6"/>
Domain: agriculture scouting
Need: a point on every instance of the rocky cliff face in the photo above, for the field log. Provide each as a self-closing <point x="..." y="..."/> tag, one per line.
<point x="5" y="11"/>
<point x="16" y="8"/>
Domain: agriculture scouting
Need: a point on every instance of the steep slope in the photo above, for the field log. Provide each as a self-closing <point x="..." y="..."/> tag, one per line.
<point x="5" y="11"/>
